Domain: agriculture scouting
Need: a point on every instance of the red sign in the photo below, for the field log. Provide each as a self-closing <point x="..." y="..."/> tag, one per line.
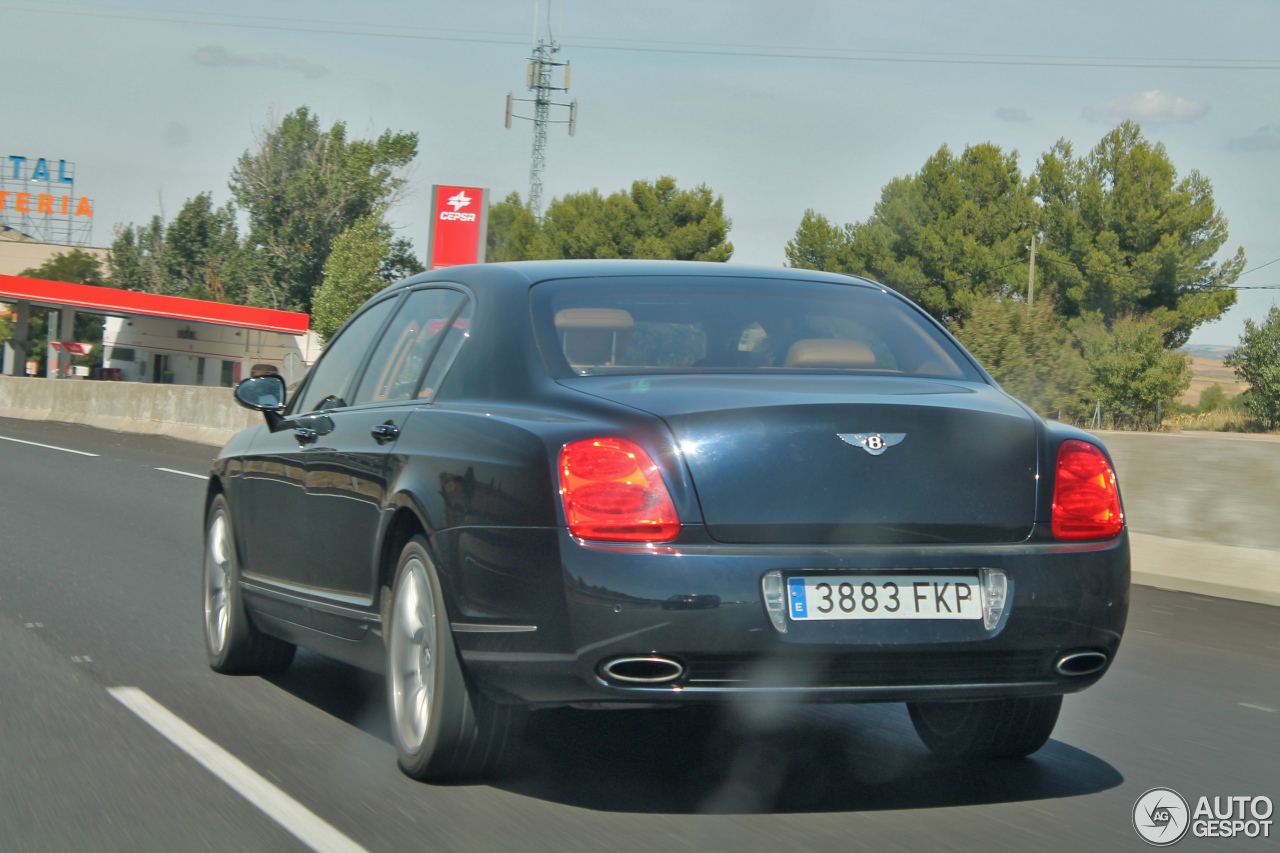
<point x="459" y="223"/>
<point x="71" y="346"/>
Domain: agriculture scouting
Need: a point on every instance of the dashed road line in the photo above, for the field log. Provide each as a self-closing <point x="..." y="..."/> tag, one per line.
<point x="1257" y="707"/>
<point x="48" y="446"/>
<point x="183" y="473"/>
<point x="303" y="823"/>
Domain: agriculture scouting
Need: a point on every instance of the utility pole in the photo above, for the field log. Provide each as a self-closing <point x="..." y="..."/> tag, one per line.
<point x="538" y="79"/>
<point x="1031" y="282"/>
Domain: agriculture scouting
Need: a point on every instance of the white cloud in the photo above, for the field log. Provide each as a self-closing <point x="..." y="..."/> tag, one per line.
<point x="1263" y="139"/>
<point x="1012" y="114"/>
<point x="1157" y="106"/>
<point x="219" y="57"/>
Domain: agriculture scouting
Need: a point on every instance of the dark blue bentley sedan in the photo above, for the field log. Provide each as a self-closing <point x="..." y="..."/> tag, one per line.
<point x="625" y="483"/>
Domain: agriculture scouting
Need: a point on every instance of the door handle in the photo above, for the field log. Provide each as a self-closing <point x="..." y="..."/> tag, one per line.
<point x="383" y="433"/>
<point x="305" y="436"/>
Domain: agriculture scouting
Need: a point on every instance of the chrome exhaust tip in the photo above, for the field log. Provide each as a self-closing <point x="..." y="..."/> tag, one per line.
<point x="642" y="670"/>
<point x="1080" y="663"/>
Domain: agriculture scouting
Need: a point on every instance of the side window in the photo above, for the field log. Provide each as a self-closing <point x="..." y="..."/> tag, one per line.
<point x="331" y="378"/>
<point x="407" y="346"/>
<point x="458" y="332"/>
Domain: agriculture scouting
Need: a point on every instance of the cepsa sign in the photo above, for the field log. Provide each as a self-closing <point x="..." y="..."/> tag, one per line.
<point x="459" y="225"/>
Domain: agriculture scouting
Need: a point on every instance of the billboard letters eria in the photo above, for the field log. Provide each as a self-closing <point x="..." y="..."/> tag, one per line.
<point x="459" y="220"/>
<point x="38" y="200"/>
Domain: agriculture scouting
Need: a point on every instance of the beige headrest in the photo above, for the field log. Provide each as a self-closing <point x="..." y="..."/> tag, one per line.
<point x="594" y="336"/>
<point x="829" y="352"/>
<point x="594" y="318"/>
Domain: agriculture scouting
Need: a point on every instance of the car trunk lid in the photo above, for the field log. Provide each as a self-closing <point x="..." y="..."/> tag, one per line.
<point x="770" y="466"/>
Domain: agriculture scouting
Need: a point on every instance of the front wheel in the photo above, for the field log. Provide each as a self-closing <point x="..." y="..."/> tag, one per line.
<point x="231" y="643"/>
<point x="444" y="729"/>
<point x="991" y="728"/>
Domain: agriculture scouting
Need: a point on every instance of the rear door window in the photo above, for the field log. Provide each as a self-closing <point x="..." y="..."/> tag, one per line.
<point x="459" y="331"/>
<point x="408" y="345"/>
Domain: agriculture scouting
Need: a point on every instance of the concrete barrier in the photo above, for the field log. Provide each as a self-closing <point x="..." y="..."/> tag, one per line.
<point x="1203" y="511"/>
<point x="205" y="415"/>
<point x="1203" y="508"/>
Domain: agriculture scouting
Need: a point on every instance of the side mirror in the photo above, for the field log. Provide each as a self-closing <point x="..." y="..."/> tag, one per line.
<point x="264" y="393"/>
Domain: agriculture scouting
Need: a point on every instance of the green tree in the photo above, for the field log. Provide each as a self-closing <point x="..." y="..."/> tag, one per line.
<point x="1133" y="375"/>
<point x="74" y="267"/>
<point x="1257" y="361"/>
<point x="302" y="187"/>
<point x="655" y="219"/>
<point x="513" y="231"/>
<point x="820" y="244"/>
<point x="1212" y="399"/>
<point x="1125" y="235"/>
<point x="198" y="255"/>
<point x="948" y="236"/>
<point x="365" y="258"/>
<point x="1030" y="353"/>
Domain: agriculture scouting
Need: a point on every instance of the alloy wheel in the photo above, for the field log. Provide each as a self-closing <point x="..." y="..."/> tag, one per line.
<point x="217" y="583"/>
<point x="412" y="656"/>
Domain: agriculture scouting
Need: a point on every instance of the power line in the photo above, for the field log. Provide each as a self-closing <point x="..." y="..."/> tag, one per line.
<point x="1255" y="269"/>
<point x="727" y="50"/>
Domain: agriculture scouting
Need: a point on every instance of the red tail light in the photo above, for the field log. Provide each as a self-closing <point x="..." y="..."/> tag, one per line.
<point x="1086" y="502"/>
<point x="612" y="491"/>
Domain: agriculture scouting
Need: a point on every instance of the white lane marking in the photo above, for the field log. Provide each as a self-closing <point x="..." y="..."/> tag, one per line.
<point x="1257" y="707"/>
<point x="33" y="625"/>
<point x="48" y="446"/>
<point x="303" y="823"/>
<point x="183" y="473"/>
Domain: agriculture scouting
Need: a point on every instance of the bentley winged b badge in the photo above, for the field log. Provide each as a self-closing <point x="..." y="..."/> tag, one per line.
<point x="874" y="443"/>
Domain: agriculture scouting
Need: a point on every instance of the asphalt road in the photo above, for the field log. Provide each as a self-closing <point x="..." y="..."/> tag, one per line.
<point x="99" y="588"/>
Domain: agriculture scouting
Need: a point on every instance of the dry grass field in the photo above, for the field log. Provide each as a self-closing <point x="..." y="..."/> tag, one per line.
<point x="1206" y="371"/>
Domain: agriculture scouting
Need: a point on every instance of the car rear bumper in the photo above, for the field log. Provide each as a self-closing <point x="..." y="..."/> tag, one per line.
<point x="574" y="606"/>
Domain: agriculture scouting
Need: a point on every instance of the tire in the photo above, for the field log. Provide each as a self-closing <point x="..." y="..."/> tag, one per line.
<point x="993" y="728"/>
<point x="231" y="643"/>
<point x="444" y="729"/>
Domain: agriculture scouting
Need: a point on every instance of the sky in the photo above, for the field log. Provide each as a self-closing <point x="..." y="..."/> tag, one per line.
<point x="777" y="106"/>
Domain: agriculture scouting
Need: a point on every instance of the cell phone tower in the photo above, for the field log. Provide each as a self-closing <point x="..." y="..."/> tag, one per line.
<point x="538" y="80"/>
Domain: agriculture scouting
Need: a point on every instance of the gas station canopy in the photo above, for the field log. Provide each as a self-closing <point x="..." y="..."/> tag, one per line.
<point x="125" y="303"/>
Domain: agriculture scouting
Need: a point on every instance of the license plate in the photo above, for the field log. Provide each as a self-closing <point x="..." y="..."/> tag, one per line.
<point x="884" y="597"/>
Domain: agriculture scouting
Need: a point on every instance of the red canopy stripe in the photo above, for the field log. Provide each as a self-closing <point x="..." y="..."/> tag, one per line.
<point x="108" y="300"/>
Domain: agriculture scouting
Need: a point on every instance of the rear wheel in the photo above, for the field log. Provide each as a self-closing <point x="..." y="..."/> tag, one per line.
<point x="992" y="728"/>
<point x="231" y="643"/>
<point x="444" y="729"/>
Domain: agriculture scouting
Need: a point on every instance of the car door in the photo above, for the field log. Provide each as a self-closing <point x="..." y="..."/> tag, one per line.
<point x="275" y="477"/>
<point x="346" y="476"/>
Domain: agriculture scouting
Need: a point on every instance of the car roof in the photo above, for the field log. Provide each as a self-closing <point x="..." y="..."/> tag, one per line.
<point x="531" y="272"/>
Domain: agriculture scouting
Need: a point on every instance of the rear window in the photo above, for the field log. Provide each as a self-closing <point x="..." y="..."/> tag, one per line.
<point x="608" y="326"/>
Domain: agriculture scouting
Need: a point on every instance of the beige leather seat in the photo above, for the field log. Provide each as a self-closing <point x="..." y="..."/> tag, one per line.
<point x="829" y="352"/>
<point x="594" y="336"/>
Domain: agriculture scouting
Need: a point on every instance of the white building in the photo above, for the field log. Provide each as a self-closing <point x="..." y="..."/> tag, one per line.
<point x="180" y="352"/>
